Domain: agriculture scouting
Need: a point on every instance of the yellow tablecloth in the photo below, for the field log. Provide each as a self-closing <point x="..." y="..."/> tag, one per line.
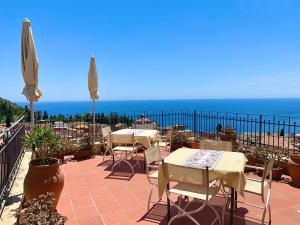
<point x="230" y="168"/>
<point x="143" y="135"/>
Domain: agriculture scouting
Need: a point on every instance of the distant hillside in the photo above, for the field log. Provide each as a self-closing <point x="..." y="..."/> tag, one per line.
<point x="9" y="109"/>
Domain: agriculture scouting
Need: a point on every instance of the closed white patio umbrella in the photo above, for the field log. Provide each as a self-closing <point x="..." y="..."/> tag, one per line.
<point x="30" y="66"/>
<point x="93" y="87"/>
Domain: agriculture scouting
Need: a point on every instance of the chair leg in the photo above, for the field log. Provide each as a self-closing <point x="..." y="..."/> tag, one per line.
<point x="215" y="211"/>
<point x="269" y="209"/>
<point x="150" y="195"/>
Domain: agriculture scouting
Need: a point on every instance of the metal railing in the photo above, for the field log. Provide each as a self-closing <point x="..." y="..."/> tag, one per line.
<point x="11" y="152"/>
<point x="263" y="130"/>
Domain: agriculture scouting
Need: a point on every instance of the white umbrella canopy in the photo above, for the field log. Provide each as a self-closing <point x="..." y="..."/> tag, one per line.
<point x="30" y="66"/>
<point x="93" y="79"/>
<point x="93" y="87"/>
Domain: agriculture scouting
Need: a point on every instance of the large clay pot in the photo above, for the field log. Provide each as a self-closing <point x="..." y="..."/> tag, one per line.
<point x="294" y="168"/>
<point x="227" y="137"/>
<point x="41" y="179"/>
<point x="84" y="154"/>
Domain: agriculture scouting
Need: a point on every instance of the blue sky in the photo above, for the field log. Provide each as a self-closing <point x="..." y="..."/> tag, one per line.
<point x="154" y="49"/>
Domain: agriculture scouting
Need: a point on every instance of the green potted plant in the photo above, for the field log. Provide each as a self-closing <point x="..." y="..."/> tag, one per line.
<point x="280" y="155"/>
<point x="44" y="174"/>
<point x="39" y="211"/>
<point x="83" y="149"/>
<point x="179" y="139"/>
<point x="228" y="133"/>
<point x="293" y="167"/>
<point x="195" y="142"/>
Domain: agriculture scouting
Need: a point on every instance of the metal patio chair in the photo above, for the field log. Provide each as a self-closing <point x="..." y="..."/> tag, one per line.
<point x="144" y="126"/>
<point x="124" y="149"/>
<point x="216" y="145"/>
<point x="258" y="186"/>
<point x="152" y="160"/>
<point x="204" y="192"/>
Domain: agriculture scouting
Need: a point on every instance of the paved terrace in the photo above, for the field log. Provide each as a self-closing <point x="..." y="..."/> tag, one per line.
<point x="92" y="196"/>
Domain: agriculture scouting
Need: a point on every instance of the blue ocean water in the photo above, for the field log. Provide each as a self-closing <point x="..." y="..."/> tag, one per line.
<point x="290" y="107"/>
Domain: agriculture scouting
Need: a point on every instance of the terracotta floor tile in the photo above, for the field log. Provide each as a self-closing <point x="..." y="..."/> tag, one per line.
<point x="85" y="212"/>
<point x="107" y="207"/>
<point x="66" y="210"/>
<point x="95" y="220"/>
<point x="89" y="195"/>
<point x="115" y="217"/>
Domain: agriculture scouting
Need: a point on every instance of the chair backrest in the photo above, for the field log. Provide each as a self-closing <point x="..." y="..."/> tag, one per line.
<point x="106" y="131"/>
<point x="121" y="139"/>
<point x="216" y="145"/>
<point x="181" y="174"/>
<point x="152" y="155"/>
<point x="268" y="170"/>
<point x="145" y="126"/>
<point x="169" y="135"/>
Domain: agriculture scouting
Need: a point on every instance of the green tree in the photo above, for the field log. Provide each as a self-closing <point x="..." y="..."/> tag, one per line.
<point x="9" y="117"/>
<point x="45" y="115"/>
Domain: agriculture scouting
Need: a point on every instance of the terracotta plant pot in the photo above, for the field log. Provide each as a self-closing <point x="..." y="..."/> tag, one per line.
<point x="41" y="179"/>
<point x="193" y="144"/>
<point x="294" y="168"/>
<point x="276" y="173"/>
<point x="84" y="154"/>
<point x="227" y="137"/>
<point x="175" y="146"/>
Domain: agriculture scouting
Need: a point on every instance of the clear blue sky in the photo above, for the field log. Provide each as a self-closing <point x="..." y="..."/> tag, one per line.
<point x="154" y="49"/>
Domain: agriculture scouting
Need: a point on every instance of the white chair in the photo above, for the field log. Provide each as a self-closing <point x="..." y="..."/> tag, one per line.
<point x="168" y="139"/>
<point x="144" y="126"/>
<point x="205" y="192"/>
<point x="216" y="145"/>
<point x="105" y="132"/>
<point x="124" y="150"/>
<point x="258" y="186"/>
<point x="152" y="160"/>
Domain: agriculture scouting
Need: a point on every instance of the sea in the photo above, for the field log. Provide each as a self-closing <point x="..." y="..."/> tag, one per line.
<point x="283" y="106"/>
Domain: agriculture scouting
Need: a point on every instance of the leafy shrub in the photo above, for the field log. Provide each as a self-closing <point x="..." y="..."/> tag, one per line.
<point x="228" y="130"/>
<point x="39" y="212"/>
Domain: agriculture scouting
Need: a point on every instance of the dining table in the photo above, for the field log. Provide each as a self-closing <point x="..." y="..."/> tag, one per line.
<point x="228" y="166"/>
<point x="145" y="136"/>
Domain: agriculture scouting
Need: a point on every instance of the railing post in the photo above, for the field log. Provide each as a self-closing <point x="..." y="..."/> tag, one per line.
<point x="162" y="121"/>
<point x="195" y="123"/>
<point x="260" y="129"/>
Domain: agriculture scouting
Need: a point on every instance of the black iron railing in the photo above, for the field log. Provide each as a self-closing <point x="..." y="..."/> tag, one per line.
<point x="11" y="152"/>
<point x="272" y="130"/>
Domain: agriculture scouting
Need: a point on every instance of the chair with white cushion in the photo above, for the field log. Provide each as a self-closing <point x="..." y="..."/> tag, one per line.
<point x="124" y="149"/>
<point x="259" y="186"/>
<point x="216" y="145"/>
<point x="201" y="190"/>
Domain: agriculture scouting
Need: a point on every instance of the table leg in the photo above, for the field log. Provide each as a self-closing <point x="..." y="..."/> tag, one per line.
<point x="168" y="204"/>
<point x="113" y="158"/>
<point x="232" y="203"/>
<point x="235" y="200"/>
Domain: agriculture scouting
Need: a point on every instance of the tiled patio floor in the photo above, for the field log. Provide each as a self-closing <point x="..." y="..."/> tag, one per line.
<point x="92" y="197"/>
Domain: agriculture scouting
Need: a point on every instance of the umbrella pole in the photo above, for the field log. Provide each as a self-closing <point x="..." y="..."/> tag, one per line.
<point x="94" y="122"/>
<point x="32" y="114"/>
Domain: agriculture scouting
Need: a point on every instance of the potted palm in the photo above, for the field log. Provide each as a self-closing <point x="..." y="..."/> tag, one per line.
<point x="83" y="149"/>
<point x="44" y="174"/>
<point x="228" y="133"/>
